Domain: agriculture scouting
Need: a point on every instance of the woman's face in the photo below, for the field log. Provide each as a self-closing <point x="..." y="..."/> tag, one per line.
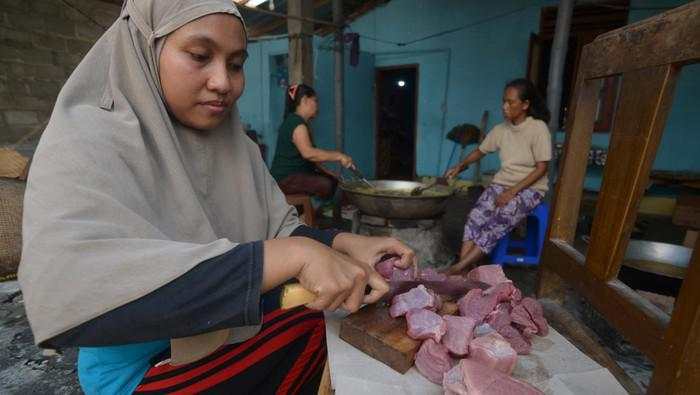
<point x="513" y="108"/>
<point x="309" y="106"/>
<point x="201" y="70"/>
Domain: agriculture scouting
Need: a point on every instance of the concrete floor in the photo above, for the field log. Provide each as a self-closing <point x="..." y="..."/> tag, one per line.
<point x="24" y="368"/>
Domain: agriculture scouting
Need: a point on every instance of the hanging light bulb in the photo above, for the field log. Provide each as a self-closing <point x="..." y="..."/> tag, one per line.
<point x="401" y="83"/>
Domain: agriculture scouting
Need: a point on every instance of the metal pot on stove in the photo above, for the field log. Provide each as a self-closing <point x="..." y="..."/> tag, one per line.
<point x="392" y="199"/>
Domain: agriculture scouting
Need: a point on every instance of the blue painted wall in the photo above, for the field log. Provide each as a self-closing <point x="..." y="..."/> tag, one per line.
<point x="461" y="74"/>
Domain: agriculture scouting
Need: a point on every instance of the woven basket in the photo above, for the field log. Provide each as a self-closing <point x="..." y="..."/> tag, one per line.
<point x="11" y="197"/>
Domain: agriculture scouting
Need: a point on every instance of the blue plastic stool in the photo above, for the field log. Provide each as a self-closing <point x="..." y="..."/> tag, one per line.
<point x="532" y="244"/>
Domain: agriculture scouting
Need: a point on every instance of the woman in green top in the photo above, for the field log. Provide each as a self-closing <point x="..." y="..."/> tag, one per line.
<point x="296" y="165"/>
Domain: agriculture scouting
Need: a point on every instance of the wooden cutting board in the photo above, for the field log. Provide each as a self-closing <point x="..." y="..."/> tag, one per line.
<point x="374" y="332"/>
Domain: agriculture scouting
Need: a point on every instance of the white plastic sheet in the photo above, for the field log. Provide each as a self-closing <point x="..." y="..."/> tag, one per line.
<point x="555" y="366"/>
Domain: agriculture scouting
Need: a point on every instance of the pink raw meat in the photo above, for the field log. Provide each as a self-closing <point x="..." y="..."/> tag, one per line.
<point x="431" y="274"/>
<point x="417" y="298"/>
<point x="483" y="329"/>
<point x="504" y="292"/>
<point x="499" y="317"/>
<point x="472" y="378"/>
<point x="460" y="331"/>
<point x="475" y="305"/>
<point x="521" y="317"/>
<point x="425" y="324"/>
<point x="386" y="267"/>
<point x="433" y="360"/>
<point x="535" y="309"/>
<point x="493" y="351"/>
<point x="403" y="274"/>
<point x="489" y="274"/>
<point x="519" y="342"/>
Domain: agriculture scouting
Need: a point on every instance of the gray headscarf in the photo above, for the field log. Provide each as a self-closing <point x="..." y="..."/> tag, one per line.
<point x="122" y="199"/>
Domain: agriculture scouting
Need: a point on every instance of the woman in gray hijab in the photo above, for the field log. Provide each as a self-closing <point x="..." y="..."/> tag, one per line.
<point x="155" y="238"/>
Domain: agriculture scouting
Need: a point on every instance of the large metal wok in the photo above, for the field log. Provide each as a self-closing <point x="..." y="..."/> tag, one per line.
<point x="392" y="199"/>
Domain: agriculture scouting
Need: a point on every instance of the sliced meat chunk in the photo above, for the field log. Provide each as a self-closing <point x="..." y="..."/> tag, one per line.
<point x="433" y="360"/>
<point x="483" y="329"/>
<point x="469" y="377"/>
<point x="499" y="317"/>
<point x="489" y="274"/>
<point x="425" y="324"/>
<point x="430" y="274"/>
<point x="475" y="305"/>
<point x="460" y="331"/>
<point x="493" y="351"/>
<point x="417" y="298"/>
<point x="520" y="343"/>
<point x="386" y="267"/>
<point x="522" y="319"/>
<point x="504" y="292"/>
<point x="403" y="274"/>
<point x="537" y="314"/>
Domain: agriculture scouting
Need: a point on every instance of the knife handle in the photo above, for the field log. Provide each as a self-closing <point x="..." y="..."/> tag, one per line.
<point x="294" y="295"/>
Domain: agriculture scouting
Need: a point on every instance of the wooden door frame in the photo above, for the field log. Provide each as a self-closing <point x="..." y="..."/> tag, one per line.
<point x="649" y="55"/>
<point x="377" y="71"/>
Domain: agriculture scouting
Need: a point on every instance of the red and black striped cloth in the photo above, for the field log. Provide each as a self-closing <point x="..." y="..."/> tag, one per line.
<point x="287" y="356"/>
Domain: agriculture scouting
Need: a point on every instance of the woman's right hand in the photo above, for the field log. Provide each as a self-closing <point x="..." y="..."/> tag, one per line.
<point x="453" y="172"/>
<point x="335" y="278"/>
<point x="345" y="160"/>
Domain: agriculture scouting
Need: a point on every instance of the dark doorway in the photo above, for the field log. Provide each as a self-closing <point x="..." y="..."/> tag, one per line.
<point x="396" y="101"/>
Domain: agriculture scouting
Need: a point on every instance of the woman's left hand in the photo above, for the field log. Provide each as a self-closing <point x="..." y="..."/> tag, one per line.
<point x="505" y="197"/>
<point x="371" y="249"/>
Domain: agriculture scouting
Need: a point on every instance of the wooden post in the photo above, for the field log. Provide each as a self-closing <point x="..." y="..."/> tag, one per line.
<point x="301" y="65"/>
<point x="339" y="76"/>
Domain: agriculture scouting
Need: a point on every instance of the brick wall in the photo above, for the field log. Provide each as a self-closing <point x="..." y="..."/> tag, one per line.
<point x="41" y="42"/>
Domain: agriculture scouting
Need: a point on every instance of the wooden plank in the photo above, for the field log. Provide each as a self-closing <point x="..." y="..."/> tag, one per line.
<point x="637" y="319"/>
<point x="374" y="332"/>
<point x="325" y="388"/>
<point x="585" y="340"/>
<point x="301" y="67"/>
<point x="671" y="37"/>
<point x="569" y="187"/>
<point x="645" y="101"/>
<point x="571" y="176"/>
<point x="678" y="371"/>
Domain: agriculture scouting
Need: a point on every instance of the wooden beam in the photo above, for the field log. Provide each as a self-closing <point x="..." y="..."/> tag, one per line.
<point x="637" y="319"/>
<point x="577" y="144"/>
<point x="639" y="124"/>
<point x="671" y="37"/>
<point x="261" y="30"/>
<point x="301" y="67"/>
<point x="678" y="371"/>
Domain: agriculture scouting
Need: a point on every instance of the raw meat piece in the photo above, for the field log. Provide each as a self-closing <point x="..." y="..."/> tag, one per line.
<point x="433" y="360"/>
<point x="499" y="317"/>
<point x="403" y="274"/>
<point x="475" y="305"/>
<point x="417" y="298"/>
<point x="472" y="378"/>
<point x="504" y="292"/>
<point x="521" y="317"/>
<point x="460" y="331"/>
<point x="535" y="309"/>
<point x="493" y="351"/>
<point x="386" y="267"/>
<point x="489" y="274"/>
<point x="519" y="342"/>
<point x="425" y="324"/>
<point x="483" y="329"/>
<point x="431" y="274"/>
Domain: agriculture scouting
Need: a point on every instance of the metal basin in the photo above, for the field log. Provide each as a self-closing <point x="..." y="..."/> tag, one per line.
<point x="392" y="199"/>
